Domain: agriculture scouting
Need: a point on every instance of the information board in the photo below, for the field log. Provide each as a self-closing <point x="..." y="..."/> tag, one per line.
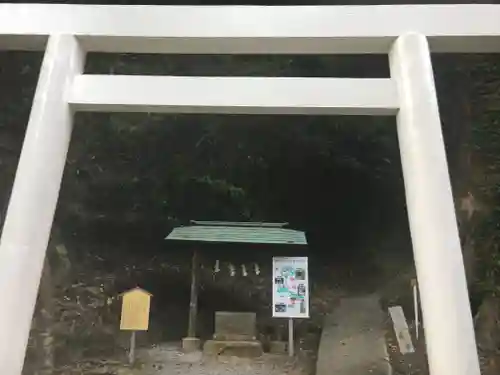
<point x="135" y="310"/>
<point x="290" y="287"/>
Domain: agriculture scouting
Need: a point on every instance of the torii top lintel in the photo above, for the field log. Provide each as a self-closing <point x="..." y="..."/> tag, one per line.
<point x="251" y="29"/>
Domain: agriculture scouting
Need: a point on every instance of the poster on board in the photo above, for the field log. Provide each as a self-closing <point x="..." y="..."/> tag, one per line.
<point x="290" y="287"/>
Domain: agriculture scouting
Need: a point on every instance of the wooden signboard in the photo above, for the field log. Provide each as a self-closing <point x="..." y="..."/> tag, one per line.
<point x="135" y="310"/>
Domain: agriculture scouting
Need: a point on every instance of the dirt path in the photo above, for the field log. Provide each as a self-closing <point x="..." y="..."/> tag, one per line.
<point x="353" y="339"/>
<point x="167" y="359"/>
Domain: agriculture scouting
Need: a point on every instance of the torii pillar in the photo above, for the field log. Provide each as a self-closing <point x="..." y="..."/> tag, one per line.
<point x="447" y="318"/>
<point x="34" y="197"/>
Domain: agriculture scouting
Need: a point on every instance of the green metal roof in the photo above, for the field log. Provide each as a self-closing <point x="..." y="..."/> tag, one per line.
<point x="231" y="232"/>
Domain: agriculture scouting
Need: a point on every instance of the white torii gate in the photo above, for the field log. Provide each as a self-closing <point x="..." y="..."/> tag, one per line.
<point x="67" y="32"/>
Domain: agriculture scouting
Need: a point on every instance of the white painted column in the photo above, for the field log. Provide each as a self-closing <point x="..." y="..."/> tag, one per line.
<point x="447" y="319"/>
<point x="34" y="198"/>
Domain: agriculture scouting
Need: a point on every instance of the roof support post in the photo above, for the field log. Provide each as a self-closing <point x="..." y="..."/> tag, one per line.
<point x="34" y="198"/>
<point x="193" y="300"/>
<point x="449" y="330"/>
<point x="191" y="343"/>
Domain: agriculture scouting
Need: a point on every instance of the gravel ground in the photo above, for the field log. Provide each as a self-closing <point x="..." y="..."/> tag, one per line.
<point x="168" y="359"/>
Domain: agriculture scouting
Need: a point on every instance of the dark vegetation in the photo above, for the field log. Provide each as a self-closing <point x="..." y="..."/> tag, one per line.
<point x="131" y="178"/>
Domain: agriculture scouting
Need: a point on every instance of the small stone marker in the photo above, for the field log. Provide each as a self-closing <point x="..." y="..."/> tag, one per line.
<point x="401" y="330"/>
<point x="135" y="315"/>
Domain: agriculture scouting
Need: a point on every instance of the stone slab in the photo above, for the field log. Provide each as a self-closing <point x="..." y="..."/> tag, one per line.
<point x="232" y="337"/>
<point x="243" y="349"/>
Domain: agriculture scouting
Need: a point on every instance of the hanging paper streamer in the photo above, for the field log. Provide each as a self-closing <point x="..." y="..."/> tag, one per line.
<point x="232" y="270"/>
<point x="244" y="270"/>
<point x="256" y="269"/>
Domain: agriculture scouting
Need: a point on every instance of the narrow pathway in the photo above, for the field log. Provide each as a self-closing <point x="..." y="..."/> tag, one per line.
<point x="353" y="339"/>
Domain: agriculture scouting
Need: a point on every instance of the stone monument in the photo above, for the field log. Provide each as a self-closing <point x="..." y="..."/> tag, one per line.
<point x="235" y="335"/>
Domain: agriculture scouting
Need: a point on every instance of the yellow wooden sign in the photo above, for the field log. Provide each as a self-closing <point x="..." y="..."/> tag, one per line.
<point x="135" y="310"/>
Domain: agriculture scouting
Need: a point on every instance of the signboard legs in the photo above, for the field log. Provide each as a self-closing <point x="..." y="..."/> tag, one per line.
<point x="291" y="341"/>
<point x="191" y="343"/>
<point x="193" y="303"/>
<point x="131" y="354"/>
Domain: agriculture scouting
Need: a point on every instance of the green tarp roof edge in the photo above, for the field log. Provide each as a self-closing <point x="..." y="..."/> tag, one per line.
<point x="256" y="233"/>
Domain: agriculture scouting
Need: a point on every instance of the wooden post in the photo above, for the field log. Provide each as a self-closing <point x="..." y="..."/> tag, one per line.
<point x="415" y="306"/>
<point x="131" y="354"/>
<point x="193" y="304"/>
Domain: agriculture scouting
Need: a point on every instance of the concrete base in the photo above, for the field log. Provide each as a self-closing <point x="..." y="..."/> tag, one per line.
<point x="243" y="349"/>
<point x="191" y="344"/>
<point x="278" y="347"/>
